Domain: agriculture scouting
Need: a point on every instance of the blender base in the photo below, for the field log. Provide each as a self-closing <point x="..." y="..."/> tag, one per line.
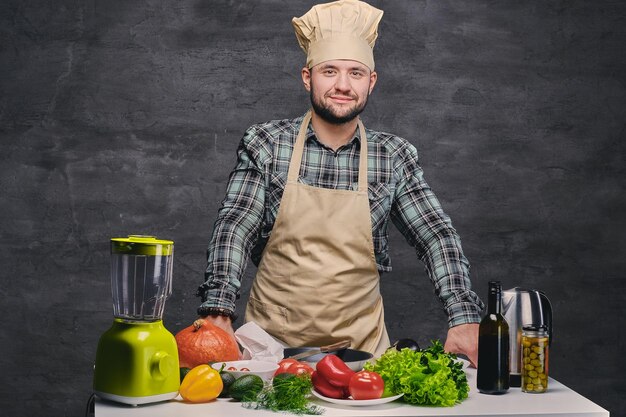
<point x="136" y="363"/>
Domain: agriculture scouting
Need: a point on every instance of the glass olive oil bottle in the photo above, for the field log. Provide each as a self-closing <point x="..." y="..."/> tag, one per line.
<point x="493" y="346"/>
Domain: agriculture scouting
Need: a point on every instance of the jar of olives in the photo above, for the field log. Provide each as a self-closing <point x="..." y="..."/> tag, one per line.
<point x="534" y="364"/>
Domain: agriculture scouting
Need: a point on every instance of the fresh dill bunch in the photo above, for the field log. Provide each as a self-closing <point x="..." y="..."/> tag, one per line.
<point x="287" y="392"/>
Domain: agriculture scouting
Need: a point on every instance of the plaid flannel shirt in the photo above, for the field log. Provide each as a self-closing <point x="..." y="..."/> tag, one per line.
<point x="397" y="192"/>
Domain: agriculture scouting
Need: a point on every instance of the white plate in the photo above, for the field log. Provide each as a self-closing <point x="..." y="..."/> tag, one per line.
<point x="357" y="403"/>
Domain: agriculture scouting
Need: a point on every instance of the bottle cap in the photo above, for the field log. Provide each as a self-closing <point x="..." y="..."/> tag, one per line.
<point x="495" y="287"/>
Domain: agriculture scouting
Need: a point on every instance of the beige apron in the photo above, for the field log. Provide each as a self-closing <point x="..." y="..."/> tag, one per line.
<point x="317" y="282"/>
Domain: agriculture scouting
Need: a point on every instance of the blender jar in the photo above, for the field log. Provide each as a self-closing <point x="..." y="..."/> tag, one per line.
<point x="141" y="277"/>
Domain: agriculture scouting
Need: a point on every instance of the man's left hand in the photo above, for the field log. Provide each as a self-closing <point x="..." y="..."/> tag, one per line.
<point x="463" y="340"/>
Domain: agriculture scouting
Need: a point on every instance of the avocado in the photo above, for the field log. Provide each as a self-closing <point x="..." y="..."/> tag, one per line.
<point x="227" y="379"/>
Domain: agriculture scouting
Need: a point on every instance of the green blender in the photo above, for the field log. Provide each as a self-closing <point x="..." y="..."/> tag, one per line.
<point x="137" y="358"/>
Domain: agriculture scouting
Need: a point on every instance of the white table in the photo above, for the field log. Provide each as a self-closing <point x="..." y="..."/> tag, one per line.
<point x="558" y="401"/>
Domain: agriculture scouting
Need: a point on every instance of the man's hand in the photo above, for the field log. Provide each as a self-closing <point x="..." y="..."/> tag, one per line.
<point x="225" y="324"/>
<point x="463" y="339"/>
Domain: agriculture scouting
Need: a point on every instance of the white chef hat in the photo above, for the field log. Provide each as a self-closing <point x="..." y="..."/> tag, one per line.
<point x="344" y="29"/>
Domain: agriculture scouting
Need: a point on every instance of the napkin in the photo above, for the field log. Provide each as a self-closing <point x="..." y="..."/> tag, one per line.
<point x="257" y="344"/>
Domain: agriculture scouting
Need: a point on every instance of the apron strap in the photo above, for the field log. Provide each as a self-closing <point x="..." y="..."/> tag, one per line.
<point x="363" y="158"/>
<point x="298" y="149"/>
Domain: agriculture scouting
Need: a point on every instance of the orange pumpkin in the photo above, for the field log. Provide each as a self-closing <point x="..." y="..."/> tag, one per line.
<point x="203" y="342"/>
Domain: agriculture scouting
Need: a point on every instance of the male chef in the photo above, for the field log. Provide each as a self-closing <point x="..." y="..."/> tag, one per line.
<point x="310" y="200"/>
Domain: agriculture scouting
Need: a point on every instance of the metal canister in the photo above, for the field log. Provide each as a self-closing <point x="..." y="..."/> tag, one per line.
<point x="534" y="366"/>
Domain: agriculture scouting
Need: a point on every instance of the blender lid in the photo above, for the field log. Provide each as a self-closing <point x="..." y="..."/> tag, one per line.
<point x="142" y="245"/>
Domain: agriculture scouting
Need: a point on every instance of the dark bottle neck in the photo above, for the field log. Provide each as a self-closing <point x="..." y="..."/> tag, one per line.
<point x="494" y="301"/>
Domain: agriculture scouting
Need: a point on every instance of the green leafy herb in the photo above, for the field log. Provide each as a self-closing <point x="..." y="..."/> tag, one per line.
<point x="286" y="393"/>
<point x="427" y="377"/>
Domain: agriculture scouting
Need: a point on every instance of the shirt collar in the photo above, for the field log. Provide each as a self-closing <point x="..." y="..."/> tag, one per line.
<point x="310" y="136"/>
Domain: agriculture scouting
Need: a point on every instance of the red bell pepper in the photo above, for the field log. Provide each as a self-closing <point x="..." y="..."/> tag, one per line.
<point x="335" y="371"/>
<point x="321" y="385"/>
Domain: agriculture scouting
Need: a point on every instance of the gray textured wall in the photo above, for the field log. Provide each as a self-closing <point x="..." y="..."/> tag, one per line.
<point x="121" y="117"/>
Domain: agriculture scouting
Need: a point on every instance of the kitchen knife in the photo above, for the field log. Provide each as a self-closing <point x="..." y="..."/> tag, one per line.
<point x="322" y="349"/>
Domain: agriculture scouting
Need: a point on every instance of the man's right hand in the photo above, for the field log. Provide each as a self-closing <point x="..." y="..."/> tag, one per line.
<point x="225" y="324"/>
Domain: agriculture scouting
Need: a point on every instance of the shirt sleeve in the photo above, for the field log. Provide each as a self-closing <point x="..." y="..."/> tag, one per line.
<point x="236" y="229"/>
<point x="417" y="214"/>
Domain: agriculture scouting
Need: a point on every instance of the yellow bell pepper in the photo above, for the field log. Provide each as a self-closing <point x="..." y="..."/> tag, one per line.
<point x="201" y="384"/>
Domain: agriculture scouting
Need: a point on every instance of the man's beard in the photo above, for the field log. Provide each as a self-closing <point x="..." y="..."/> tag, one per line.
<point x="327" y="114"/>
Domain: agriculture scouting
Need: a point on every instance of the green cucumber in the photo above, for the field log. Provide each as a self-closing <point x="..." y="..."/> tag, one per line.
<point x="246" y="388"/>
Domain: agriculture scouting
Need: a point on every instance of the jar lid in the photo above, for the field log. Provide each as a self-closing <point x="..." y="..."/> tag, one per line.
<point x="142" y="245"/>
<point x="535" y="327"/>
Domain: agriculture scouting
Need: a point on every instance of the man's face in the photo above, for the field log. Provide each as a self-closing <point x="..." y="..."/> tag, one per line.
<point x="339" y="89"/>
